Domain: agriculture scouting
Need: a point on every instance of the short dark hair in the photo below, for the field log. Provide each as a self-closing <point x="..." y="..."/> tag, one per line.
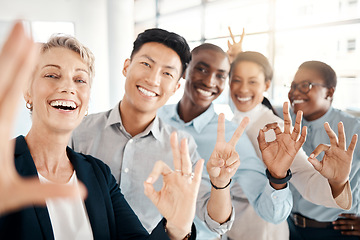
<point x="169" y="39"/>
<point x="327" y="73"/>
<point x="209" y="46"/>
<point x="257" y="58"/>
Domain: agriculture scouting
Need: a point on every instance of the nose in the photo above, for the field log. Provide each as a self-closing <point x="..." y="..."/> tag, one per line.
<point x="68" y="86"/>
<point x="243" y="87"/>
<point x="210" y="80"/>
<point x="154" y="78"/>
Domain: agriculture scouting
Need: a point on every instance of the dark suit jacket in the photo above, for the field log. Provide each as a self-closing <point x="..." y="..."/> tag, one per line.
<point x="110" y="215"/>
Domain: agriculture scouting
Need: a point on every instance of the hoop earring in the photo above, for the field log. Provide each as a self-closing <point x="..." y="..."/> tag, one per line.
<point x="86" y="113"/>
<point x="29" y="106"/>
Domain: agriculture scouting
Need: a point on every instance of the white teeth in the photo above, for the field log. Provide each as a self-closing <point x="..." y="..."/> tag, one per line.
<point x="59" y="103"/>
<point x="244" y="99"/>
<point x="203" y="92"/>
<point x="298" y="101"/>
<point x="146" y="92"/>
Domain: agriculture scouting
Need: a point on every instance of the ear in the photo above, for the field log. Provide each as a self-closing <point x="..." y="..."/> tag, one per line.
<point x="330" y="92"/>
<point x="177" y="86"/>
<point x="267" y="85"/>
<point x="126" y="66"/>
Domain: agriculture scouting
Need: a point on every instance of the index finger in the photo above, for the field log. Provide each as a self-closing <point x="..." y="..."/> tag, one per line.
<point x="287" y="118"/>
<point x="242" y="36"/>
<point x="239" y="131"/>
<point x="175" y="151"/>
<point x="221" y="128"/>
<point x="342" y="139"/>
<point x="332" y="136"/>
<point x="231" y="34"/>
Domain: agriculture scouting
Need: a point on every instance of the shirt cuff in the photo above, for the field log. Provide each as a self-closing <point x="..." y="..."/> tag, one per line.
<point x="344" y="200"/>
<point x="217" y="227"/>
<point x="277" y="196"/>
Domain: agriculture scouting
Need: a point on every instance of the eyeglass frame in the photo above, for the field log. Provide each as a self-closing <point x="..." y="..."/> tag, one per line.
<point x="294" y="86"/>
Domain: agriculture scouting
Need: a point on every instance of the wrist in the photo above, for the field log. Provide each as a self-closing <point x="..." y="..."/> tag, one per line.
<point x="276" y="179"/>
<point x="176" y="233"/>
<point x="219" y="187"/>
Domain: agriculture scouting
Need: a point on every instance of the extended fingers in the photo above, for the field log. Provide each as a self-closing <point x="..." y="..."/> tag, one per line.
<point x="175" y="150"/>
<point x="302" y="138"/>
<point x="332" y="136"/>
<point x="198" y="173"/>
<point x="352" y="145"/>
<point x="186" y="165"/>
<point x="287" y="118"/>
<point x="342" y="138"/>
<point x="297" y="126"/>
<point x="221" y="128"/>
<point x="231" y="35"/>
<point x="239" y="131"/>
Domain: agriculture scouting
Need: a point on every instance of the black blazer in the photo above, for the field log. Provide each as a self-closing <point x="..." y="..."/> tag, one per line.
<point x="110" y="215"/>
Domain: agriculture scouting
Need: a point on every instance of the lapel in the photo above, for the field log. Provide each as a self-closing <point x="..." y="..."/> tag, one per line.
<point x="95" y="202"/>
<point x="26" y="167"/>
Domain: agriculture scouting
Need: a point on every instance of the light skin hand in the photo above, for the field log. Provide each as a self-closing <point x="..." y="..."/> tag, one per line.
<point x="222" y="165"/>
<point x="234" y="48"/>
<point x="279" y="154"/>
<point x="349" y="224"/>
<point x="336" y="163"/>
<point x="17" y="61"/>
<point x="176" y="200"/>
<point x="224" y="160"/>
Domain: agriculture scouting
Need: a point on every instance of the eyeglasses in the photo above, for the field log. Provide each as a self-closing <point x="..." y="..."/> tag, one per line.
<point x="304" y="87"/>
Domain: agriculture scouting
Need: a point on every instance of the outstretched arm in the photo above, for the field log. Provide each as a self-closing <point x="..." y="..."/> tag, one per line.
<point x="17" y="60"/>
<point x="222" y="165"/>
<point x="176" y="200"/>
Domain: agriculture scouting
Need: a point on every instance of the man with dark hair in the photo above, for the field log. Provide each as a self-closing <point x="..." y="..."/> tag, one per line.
<point x="130" y="138"/>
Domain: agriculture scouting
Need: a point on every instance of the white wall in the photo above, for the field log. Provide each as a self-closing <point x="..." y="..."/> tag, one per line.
<point x="91" y="21"/>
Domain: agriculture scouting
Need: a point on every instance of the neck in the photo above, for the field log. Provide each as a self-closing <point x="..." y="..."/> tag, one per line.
<point x="134" y="122"/>
<point x="188" y="111"/>
<point x="48" y="150"/>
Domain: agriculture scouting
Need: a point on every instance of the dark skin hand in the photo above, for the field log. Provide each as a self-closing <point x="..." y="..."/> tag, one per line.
<point x="348" y="225"/>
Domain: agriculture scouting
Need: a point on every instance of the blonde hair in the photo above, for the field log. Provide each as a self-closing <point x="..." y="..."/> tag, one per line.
<point x="71" y="43"/>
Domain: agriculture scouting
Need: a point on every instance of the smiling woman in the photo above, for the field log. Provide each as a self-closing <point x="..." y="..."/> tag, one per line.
<point x="58" y="96"/>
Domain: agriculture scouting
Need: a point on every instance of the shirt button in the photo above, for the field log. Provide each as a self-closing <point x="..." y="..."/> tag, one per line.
<point x="126" y="170"/>
<point x="130" y="141"/>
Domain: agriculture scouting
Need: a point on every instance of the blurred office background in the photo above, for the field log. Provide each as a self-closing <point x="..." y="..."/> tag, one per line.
<point x="288" y="32"/>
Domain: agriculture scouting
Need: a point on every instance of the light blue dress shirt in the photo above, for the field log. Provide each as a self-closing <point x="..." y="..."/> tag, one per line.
<point x="248" y="182"/>
<point x="316" y="135"/>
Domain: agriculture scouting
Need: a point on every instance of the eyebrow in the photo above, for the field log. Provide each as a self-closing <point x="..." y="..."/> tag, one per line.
<point x="153" y="61"/>
<point x="208" y="66"/>
<point x="57" y="66"/>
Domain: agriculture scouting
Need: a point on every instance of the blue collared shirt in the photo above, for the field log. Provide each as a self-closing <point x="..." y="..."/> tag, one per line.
<point x="316" y="135"/>
<point x="272" y="205"/>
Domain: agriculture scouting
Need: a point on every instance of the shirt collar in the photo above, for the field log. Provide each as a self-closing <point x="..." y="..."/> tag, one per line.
<point x="115" y="118"/>
<point x="319" y="122"/>
<point x="199" y="122"/>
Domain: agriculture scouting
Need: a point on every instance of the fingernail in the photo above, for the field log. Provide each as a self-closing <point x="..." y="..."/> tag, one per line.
<point x="149" y="180"/>
<point x="312" y="155"/>
<point x="264" y="129"/>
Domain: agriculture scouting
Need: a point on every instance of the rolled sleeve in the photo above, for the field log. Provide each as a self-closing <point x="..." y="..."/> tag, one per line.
<point x="217" y="227"/>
